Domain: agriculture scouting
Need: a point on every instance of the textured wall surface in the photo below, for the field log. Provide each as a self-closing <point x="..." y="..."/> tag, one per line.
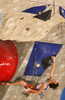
<point x="14" y="27"/>
<point x="15" y="23"/>
<point x="56" y="35"/>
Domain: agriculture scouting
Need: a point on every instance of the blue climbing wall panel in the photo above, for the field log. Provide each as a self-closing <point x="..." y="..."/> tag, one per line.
<point x="41" y="50"/>
<point x="62" y="97"/>
<point x="36" y="9"/>
<point x="62" y="11"/>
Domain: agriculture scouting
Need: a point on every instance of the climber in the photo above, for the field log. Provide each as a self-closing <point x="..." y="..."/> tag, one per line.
<point x="50" y="82"/>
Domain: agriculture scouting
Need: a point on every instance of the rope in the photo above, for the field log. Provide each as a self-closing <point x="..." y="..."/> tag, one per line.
<point x="35" y="68"/>
<point x="53" y="7"/>
<point x="35" y="56"/>
<point x="35" y="59"/>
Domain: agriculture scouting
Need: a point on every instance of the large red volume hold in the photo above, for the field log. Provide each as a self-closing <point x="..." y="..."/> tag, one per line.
<point x="8" y="60"/>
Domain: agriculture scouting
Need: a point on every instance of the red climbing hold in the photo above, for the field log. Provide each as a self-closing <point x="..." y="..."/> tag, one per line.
<point x="8" y="60"/>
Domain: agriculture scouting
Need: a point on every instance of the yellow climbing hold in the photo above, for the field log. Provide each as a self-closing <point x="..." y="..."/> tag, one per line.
<point x="61" y="19"/>
<point x="53" y="52"/>
<point x="39" y="13"/>
<point x="62" y="11"/>
<point x="46" y="6"/>
<point x="37" y="65"/>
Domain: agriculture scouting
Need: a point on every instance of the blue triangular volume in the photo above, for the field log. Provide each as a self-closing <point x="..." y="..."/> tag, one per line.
<point x="62" y="97"/>
<point x="36" y="9"/>
<point x="40" y="50"/>
<point x="62" y="11"/>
